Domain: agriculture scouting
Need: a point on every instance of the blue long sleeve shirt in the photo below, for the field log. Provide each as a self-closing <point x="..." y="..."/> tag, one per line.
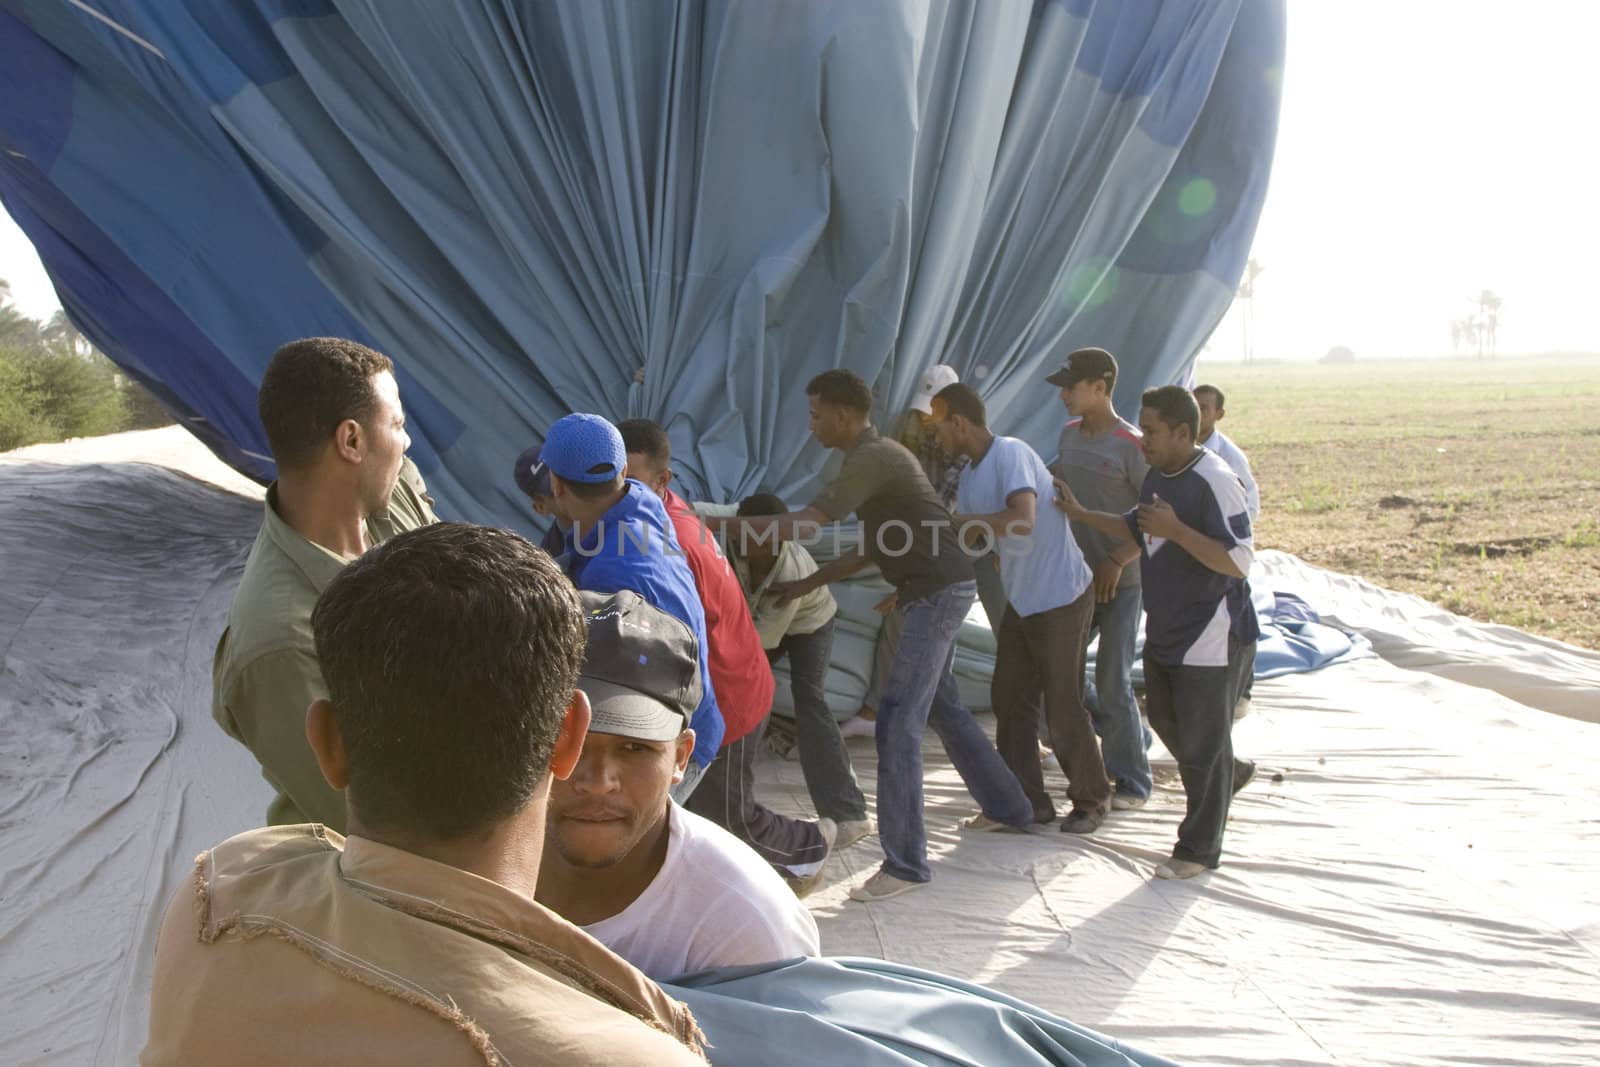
<point x="633" y="547"/>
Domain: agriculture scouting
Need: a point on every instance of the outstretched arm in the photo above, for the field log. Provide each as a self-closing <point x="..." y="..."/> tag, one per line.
<point x="1113" y="526"/>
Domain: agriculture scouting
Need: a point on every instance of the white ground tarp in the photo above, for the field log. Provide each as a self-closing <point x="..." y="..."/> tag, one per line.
<point x="1411" y="879"/>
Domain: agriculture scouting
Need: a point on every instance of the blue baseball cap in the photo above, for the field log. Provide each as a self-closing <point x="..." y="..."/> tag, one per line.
<point x="533" y="477"/>
<point x="584" y="448"/>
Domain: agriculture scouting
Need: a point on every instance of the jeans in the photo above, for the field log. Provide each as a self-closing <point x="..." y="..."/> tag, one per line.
<point x="1124" y="741"/>
<point x="1043" y="654"/>
<point x="921" y="690"/>
<point x="1191" y="709"/>
<point x="824" y="759"/>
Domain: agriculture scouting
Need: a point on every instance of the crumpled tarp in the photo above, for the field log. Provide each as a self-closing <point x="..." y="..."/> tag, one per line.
<point x="526" y="203"/>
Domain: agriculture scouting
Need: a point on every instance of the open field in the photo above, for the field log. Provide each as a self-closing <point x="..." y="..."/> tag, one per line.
<point x="1474" y="484"/>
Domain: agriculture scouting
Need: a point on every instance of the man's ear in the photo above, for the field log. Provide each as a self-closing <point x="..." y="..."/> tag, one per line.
<point x="569" y="742"/>
<point x="685" y="749"/>
<point x="350" y="441"/>
<point x="327" y="743"/>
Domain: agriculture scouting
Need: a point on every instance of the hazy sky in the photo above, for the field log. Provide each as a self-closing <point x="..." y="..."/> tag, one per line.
<point x="1428" y="149"/>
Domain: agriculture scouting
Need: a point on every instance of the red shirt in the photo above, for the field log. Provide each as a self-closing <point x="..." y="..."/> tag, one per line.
<point x="739" y="671"/>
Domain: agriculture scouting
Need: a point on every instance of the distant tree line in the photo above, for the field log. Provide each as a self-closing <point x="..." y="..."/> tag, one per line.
<point x="54" y="384"/>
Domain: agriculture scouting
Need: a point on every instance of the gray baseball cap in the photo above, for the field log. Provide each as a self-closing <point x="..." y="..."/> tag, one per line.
<point x="642" y="669"/>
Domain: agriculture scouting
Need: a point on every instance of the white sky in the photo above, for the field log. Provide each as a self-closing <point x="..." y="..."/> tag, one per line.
<point x="1428" y="149"/>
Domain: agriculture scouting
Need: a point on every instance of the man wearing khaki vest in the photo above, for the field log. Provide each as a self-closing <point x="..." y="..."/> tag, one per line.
<point x="450" y="654"/>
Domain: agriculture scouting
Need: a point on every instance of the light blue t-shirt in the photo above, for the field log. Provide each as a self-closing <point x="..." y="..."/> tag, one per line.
<point x="1045" y="569"/>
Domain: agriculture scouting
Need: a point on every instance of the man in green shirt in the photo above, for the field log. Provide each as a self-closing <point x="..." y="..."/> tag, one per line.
<point x="331" y="410"/>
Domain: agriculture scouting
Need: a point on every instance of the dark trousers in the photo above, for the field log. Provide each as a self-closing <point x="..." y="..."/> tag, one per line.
<point x="727" y="796"/>
<point x="1043" y="654"/>
<point x="1191" y="710"/>
<point x="824" y="757"/>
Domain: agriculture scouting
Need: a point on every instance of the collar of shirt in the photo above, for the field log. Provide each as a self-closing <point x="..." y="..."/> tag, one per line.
<point x="317" y="563"/>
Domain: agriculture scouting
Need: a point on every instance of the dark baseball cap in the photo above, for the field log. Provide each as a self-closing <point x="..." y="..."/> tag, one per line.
<point x="642" y="668"/>
<point x="1084" y="364"/>
<point x="533" y="477"/>
<point x="584" y="448"/>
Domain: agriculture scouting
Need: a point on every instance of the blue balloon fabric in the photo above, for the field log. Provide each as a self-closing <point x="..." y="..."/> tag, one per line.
<point x="874" y="1013"/>
<point x="681" y="210"/>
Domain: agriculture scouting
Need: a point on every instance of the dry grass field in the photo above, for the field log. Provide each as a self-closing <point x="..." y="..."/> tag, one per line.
<point x="1474" y="484"/>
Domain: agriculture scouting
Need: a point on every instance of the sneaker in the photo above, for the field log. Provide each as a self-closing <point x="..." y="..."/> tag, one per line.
<point x="1241" y="708"/>
<point x="851" y="831"/>
<point x="804" y="884"/>
<point x="1244" y="771"/>
<point x="981" y="823"/>
<point x="1176" y="868"/>
<point x="1127" y="802"/>
<point x="882" y="886"/>
<point x="858" y="727"/>
<point x="1082" y="821"/>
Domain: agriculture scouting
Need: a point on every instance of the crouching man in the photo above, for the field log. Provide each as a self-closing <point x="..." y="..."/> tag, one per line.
<point x="664" y="888"/>
<point x="450" y="655"/>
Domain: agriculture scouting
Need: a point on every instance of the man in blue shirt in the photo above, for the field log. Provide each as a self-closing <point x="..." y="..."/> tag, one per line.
<point x="621" y="538"/>
<point x="1192" y="525"/>
<point x="1044" y="630"/>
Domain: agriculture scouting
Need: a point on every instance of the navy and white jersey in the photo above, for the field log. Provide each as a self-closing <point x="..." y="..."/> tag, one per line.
<point x="1190" y="609"/>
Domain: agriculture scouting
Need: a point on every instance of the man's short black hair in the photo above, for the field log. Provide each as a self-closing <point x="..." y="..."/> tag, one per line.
<point x="1216" y="395"/>
<point x="648" y="438"/>
<point x="842" y="389"/>
<point x="589" y="490"/>
<point x="1175" y="405"/>
<point x="309" y="388"/>
<point x="961" y="399"/>
<point x="450" y="653"/>
<point x="763" y="504"/>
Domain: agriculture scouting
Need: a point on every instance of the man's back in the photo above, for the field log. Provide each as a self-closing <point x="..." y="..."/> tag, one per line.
<point x="288" y="948"/>
<point x="265" y="672"/>
<point x="739" y="671"/>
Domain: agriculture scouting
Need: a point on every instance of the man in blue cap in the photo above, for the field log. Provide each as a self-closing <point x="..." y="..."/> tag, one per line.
<point x="619" y="537"/>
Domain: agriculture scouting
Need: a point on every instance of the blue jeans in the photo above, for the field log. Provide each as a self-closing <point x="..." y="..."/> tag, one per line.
<point x="922" y="690"/>
<point x="1124" y="739"/>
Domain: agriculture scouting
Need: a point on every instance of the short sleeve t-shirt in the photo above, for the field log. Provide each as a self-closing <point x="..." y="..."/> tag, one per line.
<point x="1105" y="472"/>
<point x="908" y="531"/>
<point x="714" y="903"/>
<point x="1045" y="569"/>
<point x="1190" y="609"/>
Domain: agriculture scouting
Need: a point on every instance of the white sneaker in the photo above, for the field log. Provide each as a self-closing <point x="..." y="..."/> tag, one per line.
<point x="1127" y="802"/>
<point x="1176" y="868"/>
<point x="852" y="831"/>
<point x="882" y="886"/>
<point x="858" y="727"/>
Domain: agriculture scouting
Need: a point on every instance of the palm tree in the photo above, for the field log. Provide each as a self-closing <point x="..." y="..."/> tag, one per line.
<point x="1489" y="318"/>
<point x="1247" y="292"/>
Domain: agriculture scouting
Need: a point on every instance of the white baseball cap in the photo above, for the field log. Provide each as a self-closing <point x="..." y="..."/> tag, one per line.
<point x="938" y="376"/>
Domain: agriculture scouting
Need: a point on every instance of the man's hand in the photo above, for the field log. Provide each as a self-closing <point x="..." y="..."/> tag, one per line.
<point x="1065" y="500"/>
<point x="1157" y="519"/>
<point x="787" y="591"/>
<point x="1107" y="573"/>
<point x="887" y="604"/>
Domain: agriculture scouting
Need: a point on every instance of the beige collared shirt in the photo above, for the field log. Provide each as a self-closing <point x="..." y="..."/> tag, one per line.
<point x="264" y="674"/>
<point x="294" y="945"/>
<point x="803" y="615"/>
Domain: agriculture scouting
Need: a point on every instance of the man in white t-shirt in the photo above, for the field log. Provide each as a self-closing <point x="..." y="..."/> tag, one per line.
<point x="665" y="889"/>
<point x="1044" y="635"/>
<point x="1210" y="400"/>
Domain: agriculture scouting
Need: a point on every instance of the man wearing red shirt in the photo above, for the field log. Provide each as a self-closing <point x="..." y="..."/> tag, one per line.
<point x="742" y="680"/>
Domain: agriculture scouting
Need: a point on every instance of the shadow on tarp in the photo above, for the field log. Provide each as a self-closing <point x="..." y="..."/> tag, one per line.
<point x="875" y="1013"/>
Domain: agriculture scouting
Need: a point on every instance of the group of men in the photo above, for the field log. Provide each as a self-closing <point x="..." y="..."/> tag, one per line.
<point x="543" y="760"/>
